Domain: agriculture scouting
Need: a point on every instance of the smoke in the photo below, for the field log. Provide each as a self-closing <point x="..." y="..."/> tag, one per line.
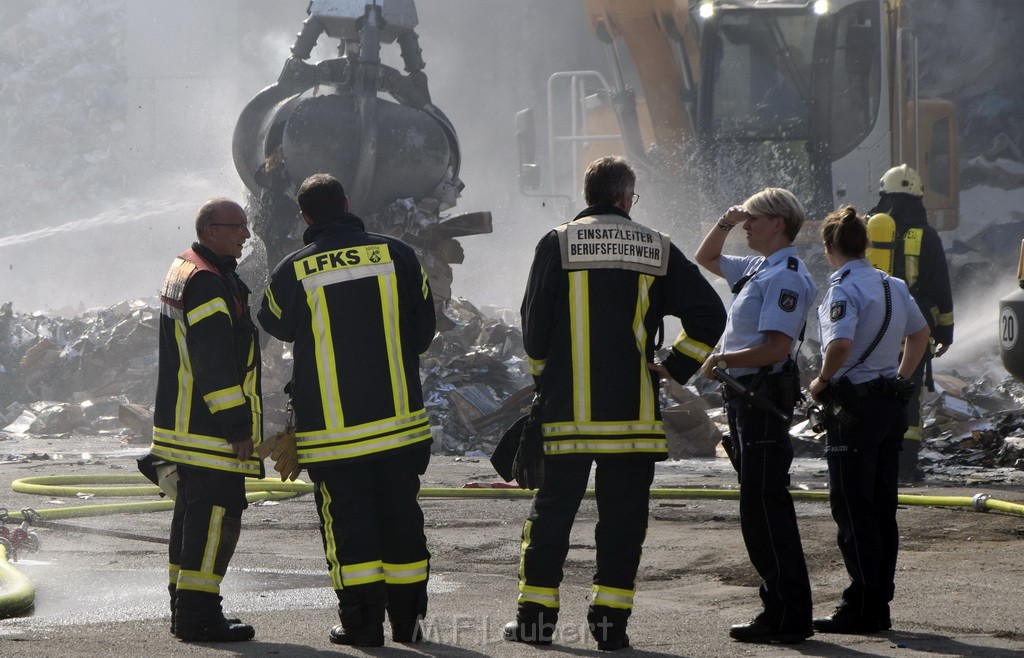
<point x="123" y="112"/>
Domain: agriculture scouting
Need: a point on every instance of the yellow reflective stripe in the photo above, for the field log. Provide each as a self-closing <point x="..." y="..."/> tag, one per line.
<point x="545" y="596"/>
<point x="404" y="574"/>
<point x="330" y="546"/>
<point x="694" y="349"/>
<point x="173" y="313"/>
<point x="606" y="427"/>
<point x="225" y="398"/>
<point x="172" y="573"/>
<point x="250" y="387"/>
<point x="942" y="319"/>
<point x="308" y="454"/>
<point x="366" y="430"/>
<point x="200" y="450"/>
<point x="183" y="405"/>
<point x="323" y="345"/>
<point x="643" y="303"/>
<point x="536" y="365"/>
<point x="605" y="447"/>
<point x="613" y="597"/>
<point x="911" y="252"/>
<point x="426" y="283"/>
<point x="185" y="440"/>
<point x="579" y="328"/>
<point x="199" y="581"/>
<point x="362" y="573"/>
<point x="914" y="433"/>
<point x="217" y="305"/>
<point x="272" y="305"/>
<point x="388" y="286"/>
<point x="213" y="533"/>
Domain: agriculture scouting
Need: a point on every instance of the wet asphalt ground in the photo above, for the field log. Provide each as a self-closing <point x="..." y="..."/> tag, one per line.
<point x="959" y="585"/>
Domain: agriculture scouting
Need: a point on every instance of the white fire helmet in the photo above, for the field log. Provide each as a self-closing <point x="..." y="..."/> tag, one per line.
<point x="901" y="179"/>
<point x="167" y="479"/>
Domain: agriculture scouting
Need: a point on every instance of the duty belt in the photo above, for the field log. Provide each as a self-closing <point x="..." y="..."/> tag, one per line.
<point x="885" y="386"/>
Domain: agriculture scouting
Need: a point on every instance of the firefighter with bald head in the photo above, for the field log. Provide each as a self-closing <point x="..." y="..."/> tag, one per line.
<point x="207" y="419"/>
<point x="919" y="259"/>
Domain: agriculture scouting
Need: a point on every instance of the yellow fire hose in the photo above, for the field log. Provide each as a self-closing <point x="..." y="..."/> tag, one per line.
<point x="17" y="594"/>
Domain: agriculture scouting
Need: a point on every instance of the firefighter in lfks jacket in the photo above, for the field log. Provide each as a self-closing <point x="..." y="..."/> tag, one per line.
<point x="207" y="418"/>
<point x="359" y="309"/>
<point x="920" y="260"/>
<point x="598" y="289"/>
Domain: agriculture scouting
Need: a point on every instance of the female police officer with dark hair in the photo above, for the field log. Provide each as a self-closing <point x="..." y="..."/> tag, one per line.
<point x="864" y="318"/>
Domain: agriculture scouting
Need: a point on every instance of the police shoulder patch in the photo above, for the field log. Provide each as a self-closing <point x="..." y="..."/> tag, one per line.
<point x="788" y="300"/>
<point x="837" y="311"/>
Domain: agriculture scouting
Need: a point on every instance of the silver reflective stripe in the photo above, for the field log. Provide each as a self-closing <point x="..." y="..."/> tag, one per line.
<point x="347" y="274"/>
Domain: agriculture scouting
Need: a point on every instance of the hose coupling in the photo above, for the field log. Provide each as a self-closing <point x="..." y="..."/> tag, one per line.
<point x="979" y="501"/>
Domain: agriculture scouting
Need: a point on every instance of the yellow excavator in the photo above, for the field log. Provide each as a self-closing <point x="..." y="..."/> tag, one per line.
<point x="713" y="100"/>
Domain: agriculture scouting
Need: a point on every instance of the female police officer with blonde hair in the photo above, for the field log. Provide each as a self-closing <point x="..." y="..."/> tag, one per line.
<point x="773" y="292"/>
<point x="864" y="317"/>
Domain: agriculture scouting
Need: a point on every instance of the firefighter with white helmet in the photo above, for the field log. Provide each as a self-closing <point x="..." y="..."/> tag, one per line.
<point x="920" y="260"/>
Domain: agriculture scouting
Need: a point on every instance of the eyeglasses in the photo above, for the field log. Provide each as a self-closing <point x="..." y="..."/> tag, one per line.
<point x="244" y="225"/>
<point x="636" y="198"/>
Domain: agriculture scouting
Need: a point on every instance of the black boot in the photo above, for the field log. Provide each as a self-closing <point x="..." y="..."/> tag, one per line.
<point x="608" y="626"/>
<point x="173" y="590"/>
<point x="851" y="619"/>
<point x="534" y="624"/>
<point x="198" y="618"/>
<point x="407" y="605"/>
<point x="361" y="610"/>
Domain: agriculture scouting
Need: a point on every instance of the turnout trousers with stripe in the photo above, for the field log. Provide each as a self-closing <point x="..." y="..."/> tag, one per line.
<point x="622" y="487"/>
<point x="372" y="529"/>
<point x="863" y="466"/>
<point x="767" y="515"/>
<point x="204" y="532"/>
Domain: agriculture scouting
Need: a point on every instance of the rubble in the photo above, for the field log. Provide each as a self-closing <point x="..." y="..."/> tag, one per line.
<point x="96" y="373"/>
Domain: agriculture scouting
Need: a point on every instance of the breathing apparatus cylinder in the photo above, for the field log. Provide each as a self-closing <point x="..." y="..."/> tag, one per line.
<point x="882" y="233"/>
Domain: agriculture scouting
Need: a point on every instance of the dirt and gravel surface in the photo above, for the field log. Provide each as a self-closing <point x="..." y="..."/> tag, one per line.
<point x="958" y="584"/>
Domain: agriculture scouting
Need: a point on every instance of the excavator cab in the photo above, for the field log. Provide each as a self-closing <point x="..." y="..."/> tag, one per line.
<point x="818" y="96"/>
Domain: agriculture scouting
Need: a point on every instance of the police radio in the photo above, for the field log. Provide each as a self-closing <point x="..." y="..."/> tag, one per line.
<point x="882" y="233"/>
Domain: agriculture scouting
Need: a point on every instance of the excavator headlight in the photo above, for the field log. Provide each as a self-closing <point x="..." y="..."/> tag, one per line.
<point x="706" y="10"/>
<point x="820" y="7"/>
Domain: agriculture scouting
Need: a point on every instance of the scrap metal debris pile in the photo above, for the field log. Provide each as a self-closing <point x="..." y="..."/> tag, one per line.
<point x="95" y="374"/>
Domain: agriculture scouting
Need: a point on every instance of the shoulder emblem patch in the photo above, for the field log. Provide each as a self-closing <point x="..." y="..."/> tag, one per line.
<point x="787" y="300"/>
<point x="837" y="311"/>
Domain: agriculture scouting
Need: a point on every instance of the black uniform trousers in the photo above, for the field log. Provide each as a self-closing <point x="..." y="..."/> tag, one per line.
<point x="204" y="532"/>
<point x="371" y="525"/>
<point x="764" y="454"/>
<point x="863" y="466"/>
<point x="622" y="488"/>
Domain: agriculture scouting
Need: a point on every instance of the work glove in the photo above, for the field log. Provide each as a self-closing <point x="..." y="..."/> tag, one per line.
<point x="285" y="455"/>
<point x="528" y="464"/>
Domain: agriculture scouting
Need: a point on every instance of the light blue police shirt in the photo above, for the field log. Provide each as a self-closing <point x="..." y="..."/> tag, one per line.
<point x="854" y="308"/>
<point x="776" y="298"/>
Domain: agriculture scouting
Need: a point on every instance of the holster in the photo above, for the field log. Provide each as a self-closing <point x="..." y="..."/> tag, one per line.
<point x="841" y="400"/>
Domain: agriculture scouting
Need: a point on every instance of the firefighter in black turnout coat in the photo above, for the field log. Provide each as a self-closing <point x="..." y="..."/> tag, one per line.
<point x="920" y="261"/>
<point x="207" y="418"/>
<point x="598" y="289"/>
<point x="359" y="310"/>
